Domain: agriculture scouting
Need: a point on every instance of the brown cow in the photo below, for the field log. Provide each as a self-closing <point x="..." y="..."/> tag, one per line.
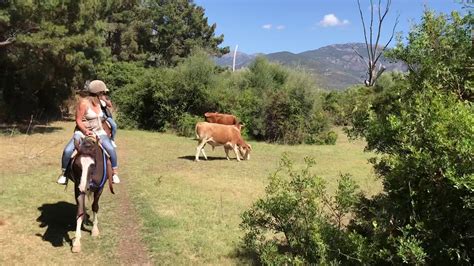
<point x="225" y="119"/>
<point x="221" y="135"/>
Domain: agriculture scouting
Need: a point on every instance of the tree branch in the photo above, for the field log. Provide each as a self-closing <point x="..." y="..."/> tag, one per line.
<point x="373" y="51"/>
<point x="381" y="18"/>
<point x="365" y="32"/>
<point x="371" y="24"/>
<point x="360" y="56"/>
<point x="391" y="37"/>
<point x="7" y="41"/>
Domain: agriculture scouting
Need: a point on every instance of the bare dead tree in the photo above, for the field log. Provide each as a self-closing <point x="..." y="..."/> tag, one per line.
<point x="374" y="51"/>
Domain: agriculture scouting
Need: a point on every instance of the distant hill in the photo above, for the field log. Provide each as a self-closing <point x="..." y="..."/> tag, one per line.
<point x="334" y="66"/>
<point x="241" y="59"/>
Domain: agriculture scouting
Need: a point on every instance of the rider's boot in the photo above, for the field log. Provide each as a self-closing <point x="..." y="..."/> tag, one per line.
<point x="115" y="178"/>
<point x="62" y="180"/>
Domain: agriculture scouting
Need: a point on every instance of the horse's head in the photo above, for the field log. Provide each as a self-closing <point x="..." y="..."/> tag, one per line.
<point x="85" y="160"/>
<point x="86" y="147"/>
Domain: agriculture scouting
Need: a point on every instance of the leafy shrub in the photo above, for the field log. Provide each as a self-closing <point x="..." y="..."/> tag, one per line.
<point x="275" y="103"/>
<point x="326" y="138"/>
<point x="120" y="74"/>
<point x="149" y="103"/>
<point x="297" y="222"/>
<point x="422" y="124"/>
<point x="186" y="125"/>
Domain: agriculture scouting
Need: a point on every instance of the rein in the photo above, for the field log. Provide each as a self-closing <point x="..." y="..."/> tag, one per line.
<point x="104" y="175"/>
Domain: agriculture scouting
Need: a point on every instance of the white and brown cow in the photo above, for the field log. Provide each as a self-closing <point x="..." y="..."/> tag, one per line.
<point x="221" y="135"/>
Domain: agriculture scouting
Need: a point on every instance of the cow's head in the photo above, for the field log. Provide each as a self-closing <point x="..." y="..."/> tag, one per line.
<point x="244" y="150"/>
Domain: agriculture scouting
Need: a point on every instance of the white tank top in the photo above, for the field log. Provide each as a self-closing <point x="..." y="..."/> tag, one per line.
<point x="93" y="121"/>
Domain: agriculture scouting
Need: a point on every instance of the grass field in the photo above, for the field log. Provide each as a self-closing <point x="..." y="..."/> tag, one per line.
<point x="188" y="212"/>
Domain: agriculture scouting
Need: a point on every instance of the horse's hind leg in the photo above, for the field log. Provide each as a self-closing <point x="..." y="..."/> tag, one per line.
<point x="95" y="212"/>
<point x="80" y="200"/>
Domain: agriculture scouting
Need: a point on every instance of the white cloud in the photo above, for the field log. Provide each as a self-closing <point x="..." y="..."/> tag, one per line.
<point x="267" y="26"/>
<point x="330" y="20"/>
<point x="280" y="27"/>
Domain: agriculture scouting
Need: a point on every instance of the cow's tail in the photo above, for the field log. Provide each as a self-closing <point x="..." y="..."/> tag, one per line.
<point x="196" y="136"/>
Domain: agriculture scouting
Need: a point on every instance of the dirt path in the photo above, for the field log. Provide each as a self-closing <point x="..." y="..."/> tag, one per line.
<point x="131" y="250"/>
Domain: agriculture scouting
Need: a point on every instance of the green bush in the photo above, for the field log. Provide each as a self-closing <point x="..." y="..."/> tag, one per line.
<point x="326" y="138"/>
<point x="149" y="103"/>
<point x="297" y="222"/>
<point x="422" y="125"/>
<point x="286" y="108"/>
<point x="186" y="125"/>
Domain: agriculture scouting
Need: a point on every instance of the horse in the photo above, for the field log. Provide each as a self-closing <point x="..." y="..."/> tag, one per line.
<point x="89" y="170"/>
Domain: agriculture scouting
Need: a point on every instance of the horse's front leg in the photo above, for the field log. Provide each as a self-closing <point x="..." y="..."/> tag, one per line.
<point x="95" y="212"/>
<point x="80" y="200"/>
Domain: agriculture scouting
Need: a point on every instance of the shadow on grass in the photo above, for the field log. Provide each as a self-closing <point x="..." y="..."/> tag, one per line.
<point x="245" y="256"/>
<point x="58" y="218"/>
<point x="209" y="158"/>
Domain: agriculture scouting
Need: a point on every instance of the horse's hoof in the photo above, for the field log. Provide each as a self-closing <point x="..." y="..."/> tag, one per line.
<point x="76" y="249"/>
<point x="95" y="232"/>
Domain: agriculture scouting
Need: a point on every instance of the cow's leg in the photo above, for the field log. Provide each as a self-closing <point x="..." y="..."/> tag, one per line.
<point x="203" y="153"/>
<point x="226" y="153"/>
<point x="200" y="146"/>
<point x="236" y="152"/>
<point x="80" y="199"/>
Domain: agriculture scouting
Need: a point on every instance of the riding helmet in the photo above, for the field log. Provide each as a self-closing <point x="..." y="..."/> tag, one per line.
<point x="97" y="86"/>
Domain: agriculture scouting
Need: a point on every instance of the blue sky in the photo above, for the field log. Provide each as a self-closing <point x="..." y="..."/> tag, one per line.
<point x="266" y="26"/>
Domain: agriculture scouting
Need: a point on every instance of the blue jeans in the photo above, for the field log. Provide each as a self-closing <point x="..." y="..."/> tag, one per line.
<point x="104" y="140"/>
<point x="113" y="127"/>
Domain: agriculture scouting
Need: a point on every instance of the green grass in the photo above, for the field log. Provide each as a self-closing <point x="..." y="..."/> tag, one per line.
<point x="37" y="217"/>
<point x="189" y="211"/>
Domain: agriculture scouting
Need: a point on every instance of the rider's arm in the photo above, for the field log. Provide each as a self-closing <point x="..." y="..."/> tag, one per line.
<point x="107" y="101"/>
<point x="80" y="112"/>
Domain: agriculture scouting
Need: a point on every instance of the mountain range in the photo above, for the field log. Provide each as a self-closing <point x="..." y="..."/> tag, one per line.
<point x="334" y="67"/>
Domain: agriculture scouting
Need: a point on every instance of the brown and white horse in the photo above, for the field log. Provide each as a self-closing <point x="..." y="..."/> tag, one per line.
<point x="89" y="171"/>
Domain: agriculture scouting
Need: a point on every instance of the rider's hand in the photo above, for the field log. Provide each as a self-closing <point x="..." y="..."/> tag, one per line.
<point x="89" y="133"/>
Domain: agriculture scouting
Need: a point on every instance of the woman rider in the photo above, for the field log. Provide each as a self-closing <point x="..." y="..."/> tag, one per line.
<point x="89" y="122"/>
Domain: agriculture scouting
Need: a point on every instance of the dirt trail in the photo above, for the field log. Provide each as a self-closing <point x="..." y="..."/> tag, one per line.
<point x="131" y="250"/>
